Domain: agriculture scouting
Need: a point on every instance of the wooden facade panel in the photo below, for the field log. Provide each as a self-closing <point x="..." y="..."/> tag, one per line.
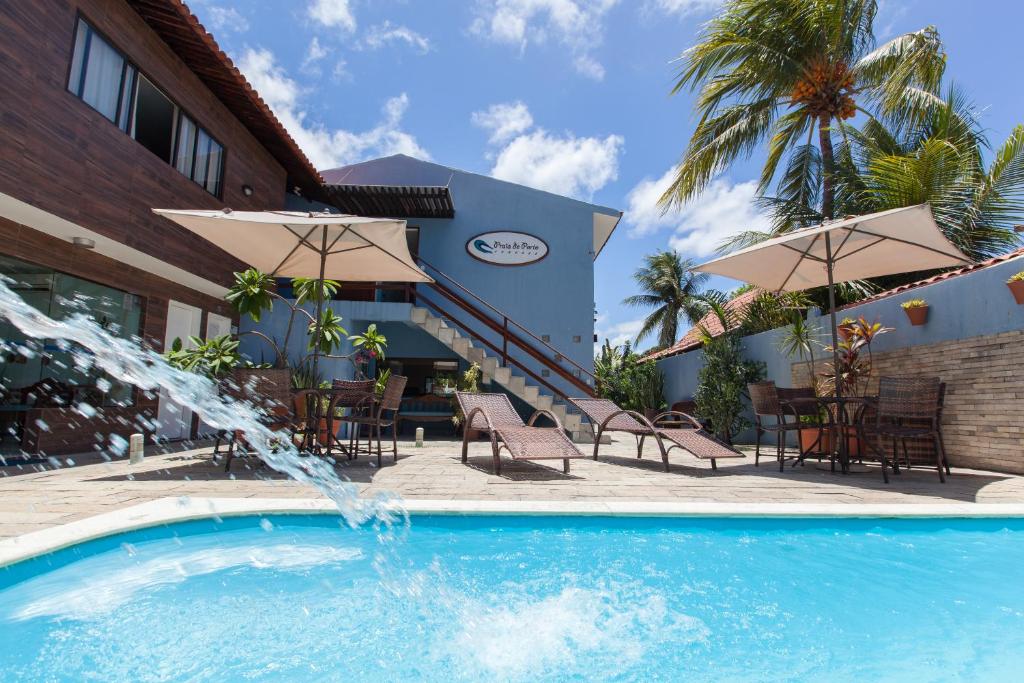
<point x="60" y="155"/>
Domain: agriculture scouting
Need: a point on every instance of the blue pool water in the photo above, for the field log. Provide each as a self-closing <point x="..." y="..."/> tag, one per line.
<point x="524" y="598"/>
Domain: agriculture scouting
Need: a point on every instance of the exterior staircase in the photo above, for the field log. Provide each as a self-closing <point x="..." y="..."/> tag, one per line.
<point x="494" y="370"/>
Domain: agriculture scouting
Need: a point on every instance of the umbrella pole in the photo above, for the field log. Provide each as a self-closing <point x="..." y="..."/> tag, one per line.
<point x="319" y="307"/>
<point x="840" y="412"/>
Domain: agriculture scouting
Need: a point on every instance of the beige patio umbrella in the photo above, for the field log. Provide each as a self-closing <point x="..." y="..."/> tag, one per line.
<point x="885" y="243"/>
<point x="308" y="244"/>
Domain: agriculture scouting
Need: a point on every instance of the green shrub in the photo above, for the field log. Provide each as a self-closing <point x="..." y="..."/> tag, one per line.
<point x="1019" y="277"/>
<point x="914" y="303"/>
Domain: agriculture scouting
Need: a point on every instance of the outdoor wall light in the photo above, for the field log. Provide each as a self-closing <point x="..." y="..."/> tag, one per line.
<point x="83" y="242"/>
<point x="247" y="190"/>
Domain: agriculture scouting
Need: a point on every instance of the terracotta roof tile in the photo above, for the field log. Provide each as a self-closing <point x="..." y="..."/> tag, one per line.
<point x="180" y="29"/>
<point x="734" y="308"/>
<point x="948" y="275"/>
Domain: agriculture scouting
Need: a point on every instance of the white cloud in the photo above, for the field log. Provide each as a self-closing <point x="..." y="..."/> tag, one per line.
<point x="503" y="120"/>
<point x="563" y="164"/>
<point x="325" y="147"/>
<point x="589" y="67"/>
<point x="576" y="24"/>
<point x="383" y="34"/>
<point x="617" y="333"/>
<point x="220" y="18"/>
<point x="682" y="8"/>
<point x="314" y="54"/>
<point x="572" y="166"/>
<point x="699" y="227"/>
<point x="332" y="14"/>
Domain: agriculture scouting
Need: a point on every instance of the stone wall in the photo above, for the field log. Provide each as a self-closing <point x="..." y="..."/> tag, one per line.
<point x="983" y="418"/>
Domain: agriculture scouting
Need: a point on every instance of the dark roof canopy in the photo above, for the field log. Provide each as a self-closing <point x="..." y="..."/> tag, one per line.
<point x="391" y="201"/>
<point x="180" y="29"/>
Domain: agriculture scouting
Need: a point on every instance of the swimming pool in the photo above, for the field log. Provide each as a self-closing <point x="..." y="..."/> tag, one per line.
<point x="524" y="598"/>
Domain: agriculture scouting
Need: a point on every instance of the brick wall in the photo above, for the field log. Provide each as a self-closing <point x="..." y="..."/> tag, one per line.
<point x="983" y="419"/>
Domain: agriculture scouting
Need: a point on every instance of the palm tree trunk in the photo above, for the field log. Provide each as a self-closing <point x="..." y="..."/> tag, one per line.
<point x="827" y="166"/>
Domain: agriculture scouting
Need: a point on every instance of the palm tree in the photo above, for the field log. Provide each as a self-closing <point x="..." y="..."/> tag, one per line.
<point x="940" y="160"/>
<point x="781" y="70"/>
<point x="669" y="285"/>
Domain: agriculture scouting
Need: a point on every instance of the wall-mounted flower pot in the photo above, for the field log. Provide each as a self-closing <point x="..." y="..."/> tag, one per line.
<point x="918" y="315"/>
<point x="1017" y="289"/>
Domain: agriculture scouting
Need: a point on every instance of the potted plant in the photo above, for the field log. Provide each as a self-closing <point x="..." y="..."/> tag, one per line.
<point x="470" y="383"/>
<point x="798" y="340"/>
<point x="856" y="365"/>
<point x="916" y="310"/>
<point x="1016" y="285"/>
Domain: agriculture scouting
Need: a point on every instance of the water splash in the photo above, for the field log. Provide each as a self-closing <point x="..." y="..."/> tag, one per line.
<point x="128" y="362"/>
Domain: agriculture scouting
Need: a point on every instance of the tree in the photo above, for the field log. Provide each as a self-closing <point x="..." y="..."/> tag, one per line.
<point x="781" y="71"/>
<point x="939" y="159"/>
<point x="723" y="378"/>
<point x="670" y="286"/>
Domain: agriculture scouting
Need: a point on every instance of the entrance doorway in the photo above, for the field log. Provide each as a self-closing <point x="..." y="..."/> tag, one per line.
<point x="175" y="420"/>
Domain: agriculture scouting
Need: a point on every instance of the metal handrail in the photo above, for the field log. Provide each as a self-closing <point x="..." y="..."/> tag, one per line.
<point x="558" y="393"/>
<point x="506" y="320"/>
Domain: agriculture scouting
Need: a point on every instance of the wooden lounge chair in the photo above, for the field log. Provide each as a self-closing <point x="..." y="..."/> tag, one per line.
<point x="494" y="415"/>
<point x="679" y="429"/>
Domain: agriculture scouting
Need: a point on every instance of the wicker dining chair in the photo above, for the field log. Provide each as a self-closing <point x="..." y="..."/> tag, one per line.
<point x="348" y="397"/>
<point x="909" y="408"/>
<point x="788" y="410"/>
<point x="380" y="413"/>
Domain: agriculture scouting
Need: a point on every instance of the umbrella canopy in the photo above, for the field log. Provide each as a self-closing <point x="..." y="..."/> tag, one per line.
<point x="885" y="243"/>
<point x="304" y="244"/>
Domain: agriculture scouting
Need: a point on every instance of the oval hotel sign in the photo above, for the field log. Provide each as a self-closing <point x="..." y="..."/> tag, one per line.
<point x="506" y="248"/>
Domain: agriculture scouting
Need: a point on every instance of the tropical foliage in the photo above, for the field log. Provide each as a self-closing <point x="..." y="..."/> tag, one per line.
<point x="781" y="72"/>
<point x="856" y="362"/>
<point x="723" y="378"/>
<point x="214" y="358"/>
<point x="669" y="285"/>
<point x="628" y="380"/>
<point x="938" y="160"/>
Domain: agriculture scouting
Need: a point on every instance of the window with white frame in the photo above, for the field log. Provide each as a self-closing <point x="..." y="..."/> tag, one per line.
<point x="102" y="77"/>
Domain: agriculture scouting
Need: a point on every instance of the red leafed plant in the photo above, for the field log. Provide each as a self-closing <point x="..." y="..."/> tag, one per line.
<point x="855" y="359"/>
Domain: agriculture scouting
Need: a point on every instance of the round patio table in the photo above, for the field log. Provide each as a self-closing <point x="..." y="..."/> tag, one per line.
<point x="838" y="411"/>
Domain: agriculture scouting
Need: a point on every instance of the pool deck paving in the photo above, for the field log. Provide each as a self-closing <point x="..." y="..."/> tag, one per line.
<point x="35" y="497"/>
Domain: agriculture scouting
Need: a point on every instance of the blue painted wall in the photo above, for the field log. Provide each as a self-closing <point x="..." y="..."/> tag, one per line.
<point x="971" y="305"/>
<point x="553" y="297"/>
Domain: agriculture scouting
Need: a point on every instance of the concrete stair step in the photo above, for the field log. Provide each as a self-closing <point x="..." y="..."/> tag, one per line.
<point x="432" y="325"/>
<point x="460" y="345"/>
<point x="516" y="384"/>
<point x="419" y="315"/>
<point x="502" y="375"/>
<point x="446" y="335"/>
<point x="475" y="355"/>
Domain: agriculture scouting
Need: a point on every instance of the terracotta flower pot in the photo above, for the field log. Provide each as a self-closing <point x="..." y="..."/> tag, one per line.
<point x="809" y="440"/>
<point x="918" y="315"/>
<point x="1017" y="289"/>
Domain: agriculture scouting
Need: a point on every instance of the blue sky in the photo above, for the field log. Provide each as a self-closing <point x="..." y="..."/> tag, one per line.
<point x="567" y="95"/>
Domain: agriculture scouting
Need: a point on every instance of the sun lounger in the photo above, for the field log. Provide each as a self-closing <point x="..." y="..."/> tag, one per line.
<point x="494" y="414"/>
<point x="682" y="431"/>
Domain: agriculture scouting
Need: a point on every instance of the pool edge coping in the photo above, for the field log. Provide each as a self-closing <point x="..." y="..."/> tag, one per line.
<point x="170" y="510"/>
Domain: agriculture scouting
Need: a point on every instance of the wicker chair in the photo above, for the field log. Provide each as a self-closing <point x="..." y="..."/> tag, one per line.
<point x="788" y="409"/>
<point x="271" y="392"/>
<point x="907" y="408"/>
<point x="494" y="414"/>
<point x="349" y="395"/>
<point x="679" y="429"/>
<point x="379" y="413"/>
